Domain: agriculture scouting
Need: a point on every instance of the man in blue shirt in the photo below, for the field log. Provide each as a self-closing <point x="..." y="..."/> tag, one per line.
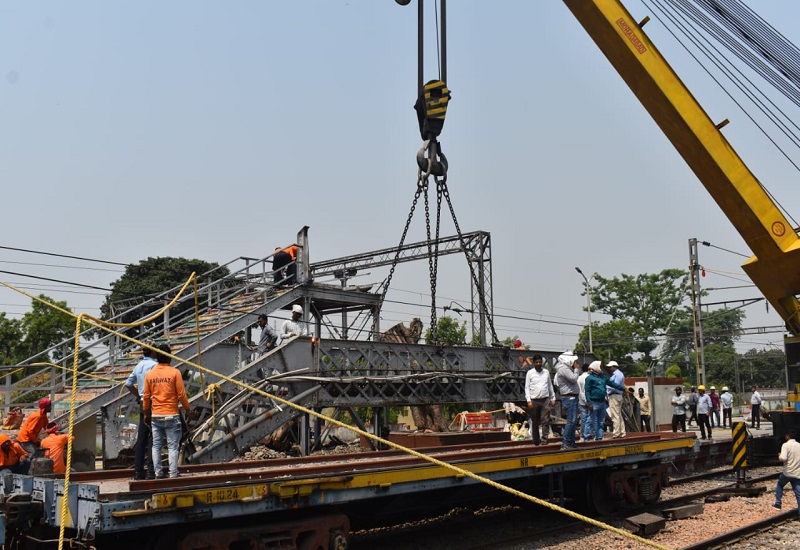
<point x="144" y="437"/>
<point x="615" y="400"/>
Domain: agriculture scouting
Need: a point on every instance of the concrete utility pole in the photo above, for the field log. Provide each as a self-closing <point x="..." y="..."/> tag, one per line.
<point x="694" y="268"/>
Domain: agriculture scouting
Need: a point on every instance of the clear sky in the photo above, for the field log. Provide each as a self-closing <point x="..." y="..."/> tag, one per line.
<point x="216" y="130"/>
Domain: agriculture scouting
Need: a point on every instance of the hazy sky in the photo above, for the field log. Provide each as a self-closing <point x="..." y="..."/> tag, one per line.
<point x="218" y="129"/>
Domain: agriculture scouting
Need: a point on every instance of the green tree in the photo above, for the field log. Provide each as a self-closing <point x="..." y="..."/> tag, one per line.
<point x="11" y="336"/>
<point x="448" y="332"/>
<point x="765" y="368"/>
<point x="673" y="371"/>
<point x="149" y="278"/>
<point x="640" y="307"/>
<point x="40" y="329"/>
<point x="45" y="326"/>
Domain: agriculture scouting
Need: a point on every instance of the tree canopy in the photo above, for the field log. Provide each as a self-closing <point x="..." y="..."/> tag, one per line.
<point x="448" y="332"/>
<point x="647" y="307"/>
<point x="151" y="277"/>
<point x="640" y="307"/>
<point x="28" y="338"/>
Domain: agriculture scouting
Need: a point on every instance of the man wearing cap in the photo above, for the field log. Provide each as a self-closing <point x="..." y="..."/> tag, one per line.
<point x="712" y="394"/>
<point x="54" y="446"/>
<point x="524" y="361"/>
<point x="567" y="371"/>
<point x="615" y="400"/>
<point x="678" y="410"/>
<point x="293" y="326"/>
<point x="540" y="396"/>
<point x="12" y="456"/>
<point x="703" y="410"/>
<point x="726" y="399"/>
<point x="596" y="385"/>
<point x="28" y="435"/>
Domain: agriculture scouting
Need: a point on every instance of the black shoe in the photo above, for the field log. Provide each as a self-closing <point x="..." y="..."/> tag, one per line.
<point x="138" y="476"/>
<point x="776" y="506"/>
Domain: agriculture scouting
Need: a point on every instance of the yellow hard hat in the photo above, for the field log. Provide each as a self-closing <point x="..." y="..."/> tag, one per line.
<point x="701" y="387"/>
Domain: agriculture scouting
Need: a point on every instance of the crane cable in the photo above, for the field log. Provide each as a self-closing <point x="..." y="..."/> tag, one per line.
<point x="744" y="84"/>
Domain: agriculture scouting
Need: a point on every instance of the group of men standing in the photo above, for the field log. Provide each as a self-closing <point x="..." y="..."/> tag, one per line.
<point x="586" y="393"/>
<point x="722" y="402"/>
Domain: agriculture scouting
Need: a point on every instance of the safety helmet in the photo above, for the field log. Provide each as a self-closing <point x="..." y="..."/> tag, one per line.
<point x="724" y="388"/>
<point x="701" y="387"/>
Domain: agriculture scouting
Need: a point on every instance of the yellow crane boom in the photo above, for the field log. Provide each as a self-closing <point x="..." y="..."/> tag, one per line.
<point x="775" y="265"/>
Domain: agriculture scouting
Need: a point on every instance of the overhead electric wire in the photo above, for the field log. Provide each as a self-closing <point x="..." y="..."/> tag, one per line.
<point x="715" y="60"/>
<point x="708" y="244"/>
<point x="63" y="266"/>
<point x="62" y="255"/>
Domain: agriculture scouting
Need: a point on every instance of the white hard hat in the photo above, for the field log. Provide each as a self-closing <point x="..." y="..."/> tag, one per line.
<point x="612" y="364"/>
<point x="725" y="388"/>
<point x="712" y="388"/>
<point x="297" y="309"/>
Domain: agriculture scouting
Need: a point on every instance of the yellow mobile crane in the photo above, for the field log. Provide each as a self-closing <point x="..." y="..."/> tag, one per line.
<point x="775" y="264"/>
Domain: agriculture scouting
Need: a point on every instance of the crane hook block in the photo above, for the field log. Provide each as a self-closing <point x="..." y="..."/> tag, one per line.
<point x="431" y="107"/>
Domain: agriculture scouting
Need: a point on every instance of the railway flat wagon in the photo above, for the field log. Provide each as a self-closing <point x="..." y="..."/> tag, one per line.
<point x="312" y="502"/>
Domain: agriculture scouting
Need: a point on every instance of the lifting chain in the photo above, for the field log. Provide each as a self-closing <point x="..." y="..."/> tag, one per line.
<point x="431" y="108"/>
<point x="421" y="185"/>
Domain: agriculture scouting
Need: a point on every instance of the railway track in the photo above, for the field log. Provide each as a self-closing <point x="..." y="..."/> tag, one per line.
<point x="524" y="527"/>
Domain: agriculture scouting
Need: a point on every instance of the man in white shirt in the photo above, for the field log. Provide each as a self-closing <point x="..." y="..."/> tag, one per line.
<point x="755" y="409"/>
<point x="294" y="326"/>
<point x="678" y="410"/>
<point x="540" y="396"/>
<point x="790" y="456"/>
<point x="587" y="432"/>
<point x="726" y="399"/>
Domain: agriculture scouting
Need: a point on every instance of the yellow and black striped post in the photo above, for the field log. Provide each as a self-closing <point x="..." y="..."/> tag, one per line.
<point x="739" y="449"/>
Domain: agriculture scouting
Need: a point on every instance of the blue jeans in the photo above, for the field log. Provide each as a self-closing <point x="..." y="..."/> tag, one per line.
<point x="598" y="414"/>
<point x="783" y="480"/>
<point x="169" y="428"/>
<point x="570" y="407"/>
<point x="715" y="418"/>
<point x="587" y="426"/>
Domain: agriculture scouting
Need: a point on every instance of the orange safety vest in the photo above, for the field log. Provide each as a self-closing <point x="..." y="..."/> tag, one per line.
<point x="54" y="446"/>
<point x="292" y="251"/>
<point x="29" y="432"/>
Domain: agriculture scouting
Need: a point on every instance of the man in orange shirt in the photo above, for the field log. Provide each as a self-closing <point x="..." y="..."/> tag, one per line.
<point x="13" y="457"/>
<point x="284" y="257"/>
<point x="163" y="390"/>
<point x="54" y="446"/>
<point x="28" y="435"/>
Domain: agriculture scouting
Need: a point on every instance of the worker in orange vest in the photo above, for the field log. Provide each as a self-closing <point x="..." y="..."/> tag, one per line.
<point x="284" y="257"/>
<point x="28" y="435"/>
<point x="12" y="456"/>
<point x="54" y="446"/>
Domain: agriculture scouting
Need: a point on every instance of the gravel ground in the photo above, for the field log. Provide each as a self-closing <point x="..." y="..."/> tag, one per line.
<point x="523" y="526"/>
